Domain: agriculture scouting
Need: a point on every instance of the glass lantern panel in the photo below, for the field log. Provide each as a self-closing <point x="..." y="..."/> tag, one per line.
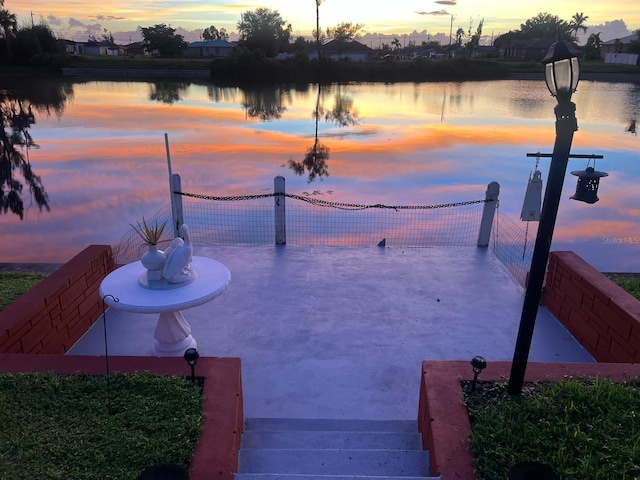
<point x="562" y="70"/>
<point x="549" y="77"/>
<point x="575" y="73"/>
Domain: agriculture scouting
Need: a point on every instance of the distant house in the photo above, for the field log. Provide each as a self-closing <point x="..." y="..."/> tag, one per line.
<point x="336" y="50"/>
<point x="74" y="48"/>
<point x="528" y="49"/>
<point x="136" y="48"/>
<point x="209" y="48"/>
<point x="617" y="46"/>
<point x="485" y="51"/>
<point x="101" y="48"/>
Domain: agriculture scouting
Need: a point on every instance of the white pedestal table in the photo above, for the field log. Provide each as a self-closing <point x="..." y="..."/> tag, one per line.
<point x="173" y="332"/>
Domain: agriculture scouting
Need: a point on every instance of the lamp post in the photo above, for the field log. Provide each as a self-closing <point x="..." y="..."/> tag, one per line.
<point x="562" y="73"/>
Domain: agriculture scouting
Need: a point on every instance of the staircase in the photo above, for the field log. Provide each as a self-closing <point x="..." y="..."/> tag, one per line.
<point x="309" y="449"/>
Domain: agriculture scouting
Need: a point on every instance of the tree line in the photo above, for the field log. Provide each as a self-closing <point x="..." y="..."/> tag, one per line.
<point x="264" y="33"/>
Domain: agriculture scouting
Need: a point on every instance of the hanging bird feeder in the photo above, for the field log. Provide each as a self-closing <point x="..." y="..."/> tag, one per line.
<point x="587" y="187"/>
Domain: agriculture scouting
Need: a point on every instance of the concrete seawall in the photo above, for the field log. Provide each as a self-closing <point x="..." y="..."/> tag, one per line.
<point x="135" y="72"/>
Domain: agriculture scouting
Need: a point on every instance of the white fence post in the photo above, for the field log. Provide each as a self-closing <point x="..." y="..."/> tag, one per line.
<point x="279" y="197"/>
<point x="490" y="206"/>
<point x="177" y="213"/>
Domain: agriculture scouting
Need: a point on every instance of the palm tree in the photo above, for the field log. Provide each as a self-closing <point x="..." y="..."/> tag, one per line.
<point x="578" y="23"/>
<point x="9" y="23"/>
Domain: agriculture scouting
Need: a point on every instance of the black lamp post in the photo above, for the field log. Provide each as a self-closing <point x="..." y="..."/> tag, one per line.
<point x="562" y="71"/>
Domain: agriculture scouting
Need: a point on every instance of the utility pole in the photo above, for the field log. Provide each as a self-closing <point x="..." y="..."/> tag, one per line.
<point x="450" y="34"/>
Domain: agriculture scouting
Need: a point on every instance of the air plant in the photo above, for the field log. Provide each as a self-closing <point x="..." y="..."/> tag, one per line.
<point x="149" y="233"/>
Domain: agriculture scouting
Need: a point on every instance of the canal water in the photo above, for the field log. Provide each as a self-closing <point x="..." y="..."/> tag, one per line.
<point x="98" y="151"/>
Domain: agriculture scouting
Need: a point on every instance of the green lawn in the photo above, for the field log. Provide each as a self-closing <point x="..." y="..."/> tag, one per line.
<point x="582" y="428"/>
<point x="631" y="285"/>
<point x="55" y="427"/>
<point x="14" y="284"/>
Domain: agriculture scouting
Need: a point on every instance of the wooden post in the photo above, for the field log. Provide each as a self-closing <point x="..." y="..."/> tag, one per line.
<point x="279" y="197"/>
<point x="490" y="206"/>
<point x="177" y="213"/>
<point x="171" y="186"/>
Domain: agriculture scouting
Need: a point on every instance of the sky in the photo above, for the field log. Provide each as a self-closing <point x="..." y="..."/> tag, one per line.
<point x="407" y="20"/>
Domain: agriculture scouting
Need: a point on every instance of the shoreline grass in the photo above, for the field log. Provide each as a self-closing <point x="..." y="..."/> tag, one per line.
<point x="242" y="68"/>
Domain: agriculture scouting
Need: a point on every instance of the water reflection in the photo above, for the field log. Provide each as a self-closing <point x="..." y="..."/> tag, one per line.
<point x="315" y="160"/>
<point x="17" y="105"/>
<point x="104" y="163"/>
<point x="167" y="91"/>
<point x="264" y="103"/>
<point x="343" y="112"/>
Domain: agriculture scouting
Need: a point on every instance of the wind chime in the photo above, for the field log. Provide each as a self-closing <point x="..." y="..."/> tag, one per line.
<point x="586" y="189"/>
<point x="533" y="196"/>
<point x="532" y="201"/>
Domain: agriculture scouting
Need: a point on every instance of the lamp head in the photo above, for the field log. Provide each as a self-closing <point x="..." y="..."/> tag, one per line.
<point x="478" y="363"/>
<point x="587" y="186"/>
<point x="562" y="70"/>
<point x="191" y="355"/>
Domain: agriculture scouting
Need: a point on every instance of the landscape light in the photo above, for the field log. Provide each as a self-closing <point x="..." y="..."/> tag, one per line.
<point x="478" y="363"/>
<point x="191" y="356"/>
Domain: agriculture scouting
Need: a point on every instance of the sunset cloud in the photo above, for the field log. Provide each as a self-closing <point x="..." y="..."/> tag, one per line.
<point x="122" y="17"/>
<point x="435" y="12"/>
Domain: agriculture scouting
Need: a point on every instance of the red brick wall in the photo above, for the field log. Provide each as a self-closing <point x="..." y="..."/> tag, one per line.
<point x="603" y="317"/>
<point x="53" y="315"/>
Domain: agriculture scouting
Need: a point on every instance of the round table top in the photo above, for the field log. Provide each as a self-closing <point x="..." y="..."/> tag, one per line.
<point x="212" y="278"/>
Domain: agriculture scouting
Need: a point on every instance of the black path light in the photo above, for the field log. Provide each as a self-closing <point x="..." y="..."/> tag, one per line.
<point x="562" y="72"/>
<point x="191" y="355"/>
<point x="478" y="364"/>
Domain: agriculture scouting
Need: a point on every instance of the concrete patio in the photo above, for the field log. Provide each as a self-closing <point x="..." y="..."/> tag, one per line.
<point x="341" y="332"/>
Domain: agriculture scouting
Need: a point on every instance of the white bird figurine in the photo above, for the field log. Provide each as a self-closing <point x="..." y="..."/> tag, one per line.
<point x="177" y="268"/>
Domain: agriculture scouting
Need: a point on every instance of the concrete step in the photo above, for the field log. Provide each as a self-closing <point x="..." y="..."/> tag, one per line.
<point x="313" y="424"/>
<point x="281" y="476"/>
<point x="412" y="463"/>
<point x="319" y="439"/>
<point x="326" y="449"/>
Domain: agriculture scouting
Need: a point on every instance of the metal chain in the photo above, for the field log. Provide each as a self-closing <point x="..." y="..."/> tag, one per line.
<point x="326" y="203"/>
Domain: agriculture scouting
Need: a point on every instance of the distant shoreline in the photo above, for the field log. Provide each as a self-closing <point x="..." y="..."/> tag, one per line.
<point x="201" y="74"/>
<point x="590" y="76"/>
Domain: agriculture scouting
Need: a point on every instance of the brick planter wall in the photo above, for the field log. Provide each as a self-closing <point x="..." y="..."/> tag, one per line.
<point x="54" y="314"/>
<point x="602" y="316"/>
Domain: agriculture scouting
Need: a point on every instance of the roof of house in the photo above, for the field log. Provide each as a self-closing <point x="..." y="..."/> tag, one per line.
<point x="628" y="39"/>
<point x="541" y="43"/>
<point x="346" y="46"/>
<point x="101" y="43"/>
<point x="211" y="43"/>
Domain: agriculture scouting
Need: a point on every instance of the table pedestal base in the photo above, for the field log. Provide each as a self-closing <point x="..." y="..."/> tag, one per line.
<point x="172" y="335"/>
